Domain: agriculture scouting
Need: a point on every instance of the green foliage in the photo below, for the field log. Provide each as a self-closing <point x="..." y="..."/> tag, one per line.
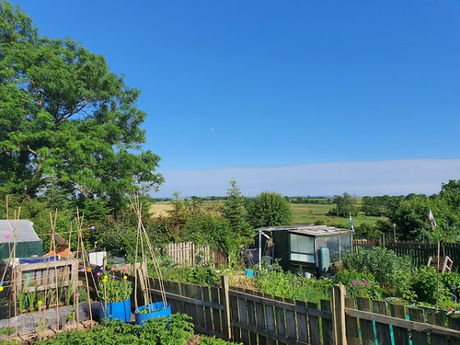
<point x="269" y="209"/>
<point x="388" y="269"/>
<point x="216" y="341"/>
<point x="173" y="330"/>
<point x="367" y="231"/>
<point x="344" y="205"/>
<point x="234" y="211"/>
<point x="114" y="289"/>
<point x="278" y="283"/>
<point x="202" y="275"/>
<point x="66" y="122"/>
<point x="424" y="284"/>
<point x="359" y="284"/>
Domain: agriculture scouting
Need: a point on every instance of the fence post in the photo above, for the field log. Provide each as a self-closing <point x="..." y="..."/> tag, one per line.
<point x="225" y="300"/>
<point x="338" y="314"/>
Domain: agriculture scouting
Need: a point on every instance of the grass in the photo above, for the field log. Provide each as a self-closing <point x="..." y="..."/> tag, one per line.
<point x="316" y="213"/>
<point x="160" y="209"/>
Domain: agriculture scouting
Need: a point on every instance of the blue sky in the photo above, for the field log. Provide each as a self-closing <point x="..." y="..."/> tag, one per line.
<point x="298" y="97"/>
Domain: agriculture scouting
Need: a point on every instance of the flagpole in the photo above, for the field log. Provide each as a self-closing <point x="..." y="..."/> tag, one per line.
<point x="437" y="278"/>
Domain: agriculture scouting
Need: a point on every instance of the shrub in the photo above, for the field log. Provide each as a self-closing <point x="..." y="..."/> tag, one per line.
<point x="388" y="269"/>
<point x="359" y="284"/>
<point x="424" y="284"/>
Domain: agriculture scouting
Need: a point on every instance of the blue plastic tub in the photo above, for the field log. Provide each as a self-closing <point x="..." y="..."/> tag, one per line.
<point x="158" y="309"/>
<point x="115" y="310"/>
<point x="249" y="273"/>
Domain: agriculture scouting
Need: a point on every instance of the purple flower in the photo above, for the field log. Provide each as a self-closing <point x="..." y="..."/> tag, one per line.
<point x="93" y="227"/>
<point x="113" y="277"/>
<point x="353" y="283"/>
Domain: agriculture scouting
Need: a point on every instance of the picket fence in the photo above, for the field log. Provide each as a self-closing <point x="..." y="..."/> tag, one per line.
<point x="254" y="318"/>
<point x="190" y="255"/>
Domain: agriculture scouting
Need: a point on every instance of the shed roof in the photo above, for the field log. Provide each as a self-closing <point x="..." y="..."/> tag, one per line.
<point x="22" y="228"/>
<point x="308" y="229"/>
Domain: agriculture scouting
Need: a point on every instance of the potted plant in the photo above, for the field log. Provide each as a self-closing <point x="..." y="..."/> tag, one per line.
<point x="115" y="294"/>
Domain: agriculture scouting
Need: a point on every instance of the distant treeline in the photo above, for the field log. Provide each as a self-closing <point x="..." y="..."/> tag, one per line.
<point x="291" y="199"/>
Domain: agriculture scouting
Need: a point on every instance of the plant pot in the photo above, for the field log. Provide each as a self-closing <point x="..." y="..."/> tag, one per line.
<point x="115" y="310"/>
<point x="142" y="314"/>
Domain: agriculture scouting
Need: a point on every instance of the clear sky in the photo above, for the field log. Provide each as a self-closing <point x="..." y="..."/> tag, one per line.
<point x="300" y="97"/>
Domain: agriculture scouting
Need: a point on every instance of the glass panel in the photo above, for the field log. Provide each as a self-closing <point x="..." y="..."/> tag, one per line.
<point x="302" y="257"/>
<point x="302" y="244"/>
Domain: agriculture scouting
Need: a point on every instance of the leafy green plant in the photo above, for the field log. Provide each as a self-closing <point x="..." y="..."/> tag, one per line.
<point x="216" y="341"/>
<point x="359" y="284"/>
<point x="387" y="268"/>
<point x="285" y="284"/>
<point x="114" y="289"/>
<point x="203" y="275"/>
<point x="174" y="330"/>
<point x="424" y="284"/>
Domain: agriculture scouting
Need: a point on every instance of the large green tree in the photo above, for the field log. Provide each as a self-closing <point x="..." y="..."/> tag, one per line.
<point x="234" y="210"/>
<point x="344" y="205"/>
<point x="66" y="121"/>
<point x="269" y="209"/>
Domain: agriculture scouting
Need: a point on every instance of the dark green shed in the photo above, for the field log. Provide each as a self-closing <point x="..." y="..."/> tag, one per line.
<point x="22" y="232"/>
<point x="311" y="248"/>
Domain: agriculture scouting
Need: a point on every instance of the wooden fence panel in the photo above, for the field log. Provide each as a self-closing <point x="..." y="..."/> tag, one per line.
<point x="351" y="324"/>
<point x="328" y="332"/>
<point x="252" y="321"/>
<point x="454" y="323"/>
<point x="438" y="319"/>
<point x="291" y="329"/>
<point x="207" y="310"/>
<point x="401" y="335"/>
<point x="315" y="334"/>
<point x="383" y="330"/>
<point x="200" y="309"/>
<point x="176" y="289"/>
<point x="280" y="320"/>
<point x="302" y="323"/>
<point x="260" y="319"/>
<point x="216" y="314"/>
<point x="236" y="331"/>
<point x="419" y="316"/>
<point x="243" y="319"/>
<point x="367" y="328"/>
<point x="270" y="315"/>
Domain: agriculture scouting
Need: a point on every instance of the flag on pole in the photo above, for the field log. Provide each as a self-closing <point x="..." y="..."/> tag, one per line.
<point x="351" y="224"/>
<point x="432" y="220"/>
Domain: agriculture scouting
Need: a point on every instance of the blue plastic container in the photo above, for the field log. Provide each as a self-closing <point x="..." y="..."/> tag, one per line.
<point x="158" y="309"/>
<point x="115" y="310"/>
<point x="249" y="273"/>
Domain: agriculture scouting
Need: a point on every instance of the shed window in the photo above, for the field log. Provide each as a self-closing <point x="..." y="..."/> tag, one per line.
<point x="302" y="248"/>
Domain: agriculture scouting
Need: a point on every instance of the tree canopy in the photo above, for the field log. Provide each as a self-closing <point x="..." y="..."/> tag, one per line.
<point x="269" y="209"/>
<point x="66" y="120"/>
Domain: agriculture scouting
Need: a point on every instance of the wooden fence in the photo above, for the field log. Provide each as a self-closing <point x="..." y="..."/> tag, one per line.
<point x="254" y="318"/>
<point x="419" y="252"/>
<point x="188" y="254"/>
<point x="369" y="320"/>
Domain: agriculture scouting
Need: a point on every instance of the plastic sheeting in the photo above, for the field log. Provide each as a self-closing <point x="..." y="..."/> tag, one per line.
<point x="31" y="322"/>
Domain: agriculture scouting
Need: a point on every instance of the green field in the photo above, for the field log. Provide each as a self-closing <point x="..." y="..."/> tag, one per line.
<point x="316" y="213"/>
